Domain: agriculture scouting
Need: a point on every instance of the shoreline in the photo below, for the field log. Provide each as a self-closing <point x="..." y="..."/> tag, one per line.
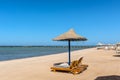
<point x="101" y="63"/>
<point x="28" y="52"/>
<point x="66" y="52"/>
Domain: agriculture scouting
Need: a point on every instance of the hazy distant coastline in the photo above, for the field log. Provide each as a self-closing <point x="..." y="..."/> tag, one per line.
<point x="19" y="52"/>
<point x="86" y="46"/>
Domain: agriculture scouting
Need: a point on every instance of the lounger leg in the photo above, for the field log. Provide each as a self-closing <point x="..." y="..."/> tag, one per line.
<point x="54" y="70"/>
<point x="75" y="71"/>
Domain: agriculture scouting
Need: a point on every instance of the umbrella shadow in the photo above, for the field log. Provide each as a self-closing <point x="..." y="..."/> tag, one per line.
<point x="116" y="55"/>
<point x="111" y="77"/>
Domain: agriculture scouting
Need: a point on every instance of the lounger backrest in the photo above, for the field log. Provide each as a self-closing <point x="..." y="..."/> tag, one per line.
<point x="73" y="64"/>
<point x="80" y="60"/>
<point x="76" y="63"/>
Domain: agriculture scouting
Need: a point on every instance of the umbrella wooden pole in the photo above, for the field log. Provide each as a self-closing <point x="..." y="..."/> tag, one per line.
<point x="69" y="57"/>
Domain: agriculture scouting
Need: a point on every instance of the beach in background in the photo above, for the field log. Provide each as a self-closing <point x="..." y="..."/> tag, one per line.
<point x="101" y="63"/>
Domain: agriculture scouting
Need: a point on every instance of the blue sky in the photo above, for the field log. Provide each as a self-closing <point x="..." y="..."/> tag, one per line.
<point x="36" y="22"/>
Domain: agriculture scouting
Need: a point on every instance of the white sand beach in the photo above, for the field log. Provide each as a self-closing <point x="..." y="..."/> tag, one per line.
<point x="101" y="63"/>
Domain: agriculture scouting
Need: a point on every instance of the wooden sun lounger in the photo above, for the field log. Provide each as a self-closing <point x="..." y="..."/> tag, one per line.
<point x="75" y="67"/>
<point x="118" y="50"/>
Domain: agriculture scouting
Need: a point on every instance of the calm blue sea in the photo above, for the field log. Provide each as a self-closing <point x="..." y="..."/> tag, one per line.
<point x="10" y="53"/>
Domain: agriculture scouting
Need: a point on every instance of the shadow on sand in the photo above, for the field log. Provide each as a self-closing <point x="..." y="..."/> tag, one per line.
<point x="111" y="77"/>
<point x="116" y="55"/>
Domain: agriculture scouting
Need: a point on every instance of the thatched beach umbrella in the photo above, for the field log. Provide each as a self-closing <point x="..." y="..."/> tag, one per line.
<point x="69" y="36"/>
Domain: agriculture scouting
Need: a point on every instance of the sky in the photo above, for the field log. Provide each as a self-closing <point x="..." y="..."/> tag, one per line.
<point x="37" y="22"/>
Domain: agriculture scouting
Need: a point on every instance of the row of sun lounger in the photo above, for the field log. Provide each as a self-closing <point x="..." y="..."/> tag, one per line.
<point x="117" y="49"/>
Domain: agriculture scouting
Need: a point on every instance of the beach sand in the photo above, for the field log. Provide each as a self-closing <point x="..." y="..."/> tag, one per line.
<point x="101" y="63"/>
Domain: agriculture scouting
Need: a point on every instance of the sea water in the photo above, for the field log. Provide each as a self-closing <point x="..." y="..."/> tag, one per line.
<point x="10" y="53"/>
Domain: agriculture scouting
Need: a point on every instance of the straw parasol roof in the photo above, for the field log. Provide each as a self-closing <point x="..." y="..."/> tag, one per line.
<point x="70" y="35"/>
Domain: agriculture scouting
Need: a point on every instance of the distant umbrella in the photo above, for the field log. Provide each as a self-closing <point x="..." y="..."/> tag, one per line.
<point x="118" y="44"/>
<point x="100" y="44"/>
<point x="70" y="36"/>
